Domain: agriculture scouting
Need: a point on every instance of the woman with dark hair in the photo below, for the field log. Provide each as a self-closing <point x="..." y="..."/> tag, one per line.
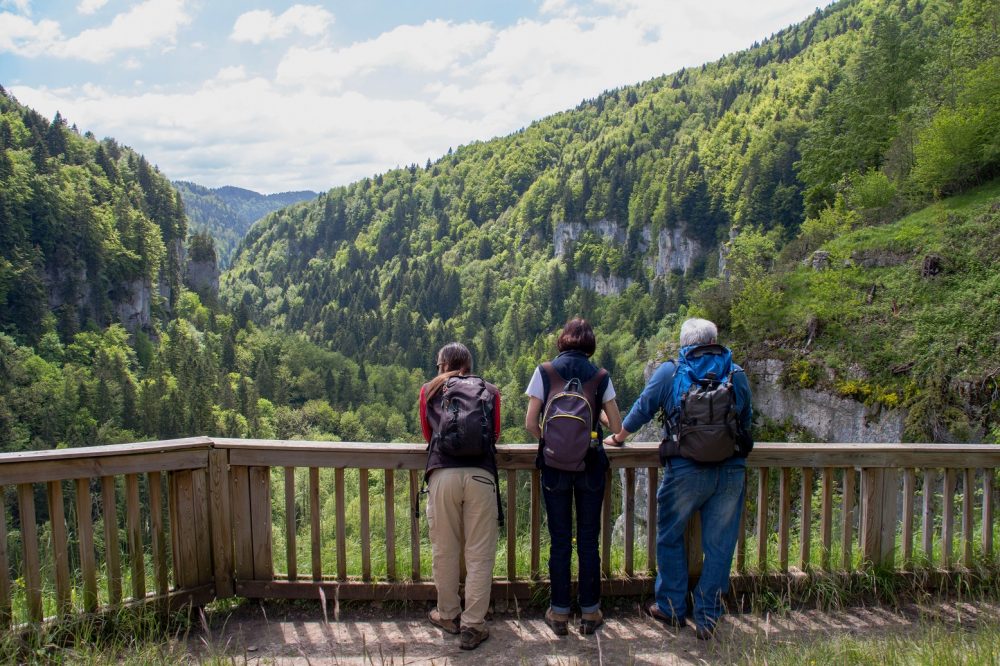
<point x="562" y="484"/>
<point x="460" y="419"/>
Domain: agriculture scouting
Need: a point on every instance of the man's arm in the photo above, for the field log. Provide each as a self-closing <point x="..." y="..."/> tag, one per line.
<point x="653" y="396"/>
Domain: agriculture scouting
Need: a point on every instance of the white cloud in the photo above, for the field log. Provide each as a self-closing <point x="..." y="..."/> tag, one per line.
<point x="328" y="116"/>
<point x="260" y="24"/>
<point x="22" y="6"/>
<point x="90" y="6"/>
<point x="148" y="23"/>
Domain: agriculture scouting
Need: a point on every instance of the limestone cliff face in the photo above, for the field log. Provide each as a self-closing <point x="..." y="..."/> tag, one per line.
<point x="674" y="252"/>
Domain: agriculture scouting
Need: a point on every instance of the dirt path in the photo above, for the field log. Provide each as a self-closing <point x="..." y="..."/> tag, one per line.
<point x="298" y="634"/>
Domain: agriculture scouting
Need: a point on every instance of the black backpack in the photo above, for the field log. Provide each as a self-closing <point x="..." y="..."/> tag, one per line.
<point x="467" y="419"/>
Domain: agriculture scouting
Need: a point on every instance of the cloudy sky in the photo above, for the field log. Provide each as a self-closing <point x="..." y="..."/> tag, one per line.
<point x="276" y="96"/>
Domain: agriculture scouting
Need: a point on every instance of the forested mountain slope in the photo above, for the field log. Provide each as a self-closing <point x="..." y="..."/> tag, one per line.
<point x="693" y="190"/>
<point x="227" y="212"/>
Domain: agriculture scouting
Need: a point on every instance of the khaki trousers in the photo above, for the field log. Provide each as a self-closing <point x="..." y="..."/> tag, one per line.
<point x="462" y="509"/>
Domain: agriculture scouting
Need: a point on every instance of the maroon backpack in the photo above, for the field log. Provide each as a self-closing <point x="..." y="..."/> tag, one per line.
<point x="568" y="420"/>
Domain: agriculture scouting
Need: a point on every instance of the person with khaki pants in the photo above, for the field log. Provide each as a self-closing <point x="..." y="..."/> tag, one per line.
<point x="460" y="419"/>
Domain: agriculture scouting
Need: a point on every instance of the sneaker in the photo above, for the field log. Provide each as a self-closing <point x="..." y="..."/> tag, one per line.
<point x="472" y="637"/>
<point x="704" y="633"/>
<point x="653" y="611"/>
<point x="559" y="622"/>
<point x="451" y="626"/>
<point x="589" y="622"/>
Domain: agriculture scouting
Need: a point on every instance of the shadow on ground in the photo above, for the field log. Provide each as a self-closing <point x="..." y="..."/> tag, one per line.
<point x="373" y="635"/>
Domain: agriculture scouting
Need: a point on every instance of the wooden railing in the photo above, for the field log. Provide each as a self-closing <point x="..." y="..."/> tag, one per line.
<point x="100" y="527"/>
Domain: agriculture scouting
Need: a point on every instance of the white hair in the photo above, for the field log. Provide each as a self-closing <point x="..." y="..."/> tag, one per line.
<point x="698" y="332"/>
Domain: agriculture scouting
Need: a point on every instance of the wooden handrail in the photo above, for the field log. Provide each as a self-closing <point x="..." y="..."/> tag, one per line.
<point x="217" y="517"/>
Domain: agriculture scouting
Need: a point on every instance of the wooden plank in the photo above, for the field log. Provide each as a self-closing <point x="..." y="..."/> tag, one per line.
<point x="291" y="567"/>
<point x="390" y="524"/>
<point x="536" y="522"/>
<point x="909" y="490"/>
<point x="987" y="512"/>
<point x="60" y="548"/>
<point x="342" y="526"/>
<point x="847" y="519"/>
<point x="741" y="541"/>
<point x="315" y="538"/>
<point x="888" y="522"/>
<point x="414" y="527"/>
<point x="511" y="524"/>
<point x="260" y="522"/>
<point x="826" y="517"/>
<point x="202" y="522"/>
<point x="154" y="448"/>
<point x="606" y="510"/>
<point x="968" y="505"/>
<point x="31" y="569"/>
<point x="137" y="557"/>
<point x="172" y="519"/>
<point x="185" y="531"/>
<point x="5" y="588"/>
<point x="629" y="493"/>
<point x="112" y="549"/>
<point x="219" y="494"/>
<point x="927" y="524"/>
<point x="366" y="537"/>
<point x="67" y="469"/>
<point x="762" y="531"/>
<point x="159" y="535"/>
<point x="805" y="529"/>
<point x="784" y="516"/>
<point x="948" y="517"/>
<point x="871" y="514"/>
<point x="652" y="475"/>
<point x="242" y="536"/>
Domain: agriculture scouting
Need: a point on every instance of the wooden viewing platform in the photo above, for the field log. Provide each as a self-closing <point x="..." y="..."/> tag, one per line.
<point x="207" y="530"/>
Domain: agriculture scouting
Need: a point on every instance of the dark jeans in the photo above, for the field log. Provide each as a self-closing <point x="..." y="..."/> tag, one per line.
<point x="718" y="493"/>
<point x="560" y="490"/>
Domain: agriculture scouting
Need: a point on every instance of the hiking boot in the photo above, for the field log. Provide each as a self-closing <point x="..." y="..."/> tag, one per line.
<point x="704" y="633"/>
<point x="472" y="637"/>
<point x="653" y="611"/>
<point x="589" y="622"/>
<point x="451" y="626"/>
<point x="559" y="622"/>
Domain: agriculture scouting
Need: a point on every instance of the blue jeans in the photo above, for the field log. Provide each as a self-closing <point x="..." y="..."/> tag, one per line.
<point x="560" y="489"/>
<point x="716" y="491"/>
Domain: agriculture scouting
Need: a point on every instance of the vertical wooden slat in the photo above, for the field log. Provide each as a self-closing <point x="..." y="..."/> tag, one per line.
<point x="5" y="603"/>
<point x="85" y="536"/>
<point x="988" y="512"/>
<point x="784" y="516"/>
<point x="137" y="558"/>
<point x="31" y="572"/>
<point x="927" y="524"/>
<point x="871" y="513"/>
<point x="342" y="525"/>
<point x="606" y="526"/>
<point x="221" y="518"/>
<point x="390" y="524"/>
<point x="160" y="537"/>
<point x="112" y="550"/>
<point x="366" y="536"/>
<point x="536" y="521"/>
<point x="741" y="541"/>
<point x="172" y="518"/>
<point x="629" y="521"/>
<point x="909" y="489"/>
<point x="968" y="501"/>
<point x="414" y="526"/>
<point x="185" y="530"/>
<point x="889" y="518"/>
<point x="511" y="524"/>
<point x="242" y="535"/>
<point x="60" y="548"/>
<point x="652" y="476"/>
<point x="260" y="522"/>
<point x="202" y="524"/>
<point x="291" y="563"/>
<point x="847" y="515"/>
<point x="314" y="529"/>
<point x="826" y="518"/>
<point x="762" y="532"/>
<point x="948" y="517"/>
<point x="805" y="530"/>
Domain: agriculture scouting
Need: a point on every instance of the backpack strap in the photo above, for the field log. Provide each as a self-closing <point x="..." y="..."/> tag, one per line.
<point x="590" y="389"/>
<point x="555" y="379"/>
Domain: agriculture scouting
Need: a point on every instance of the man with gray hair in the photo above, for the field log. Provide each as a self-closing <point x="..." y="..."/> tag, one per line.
<point x="705" y="400"/>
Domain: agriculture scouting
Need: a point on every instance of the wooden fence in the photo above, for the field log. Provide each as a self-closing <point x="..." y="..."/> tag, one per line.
<point x="99" y="527"/>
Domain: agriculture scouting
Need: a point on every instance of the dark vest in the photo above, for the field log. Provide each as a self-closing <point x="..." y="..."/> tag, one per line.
<point x="438" y="460"/>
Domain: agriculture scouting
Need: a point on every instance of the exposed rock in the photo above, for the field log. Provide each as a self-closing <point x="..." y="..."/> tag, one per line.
<point x="675" y="252"/>
<point x="132" y="308"/>
<point x="202" y="277"/>
<point x="933" y="264"/>
<point x="879" y="258"/>
<point x="612" y="285"/>
<point x="570" y="232"/>
<point x="820" y="260"/>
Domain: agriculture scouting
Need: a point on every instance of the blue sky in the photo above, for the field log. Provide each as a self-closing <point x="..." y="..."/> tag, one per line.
<point x="274" y="96"/>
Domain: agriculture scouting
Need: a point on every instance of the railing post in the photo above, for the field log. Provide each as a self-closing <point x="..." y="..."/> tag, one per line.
<point x="878" y="515"/>
<point x="222" y="522"/>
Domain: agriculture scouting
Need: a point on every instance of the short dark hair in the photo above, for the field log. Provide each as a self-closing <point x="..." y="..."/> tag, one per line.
<point x="577" y="335"/>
